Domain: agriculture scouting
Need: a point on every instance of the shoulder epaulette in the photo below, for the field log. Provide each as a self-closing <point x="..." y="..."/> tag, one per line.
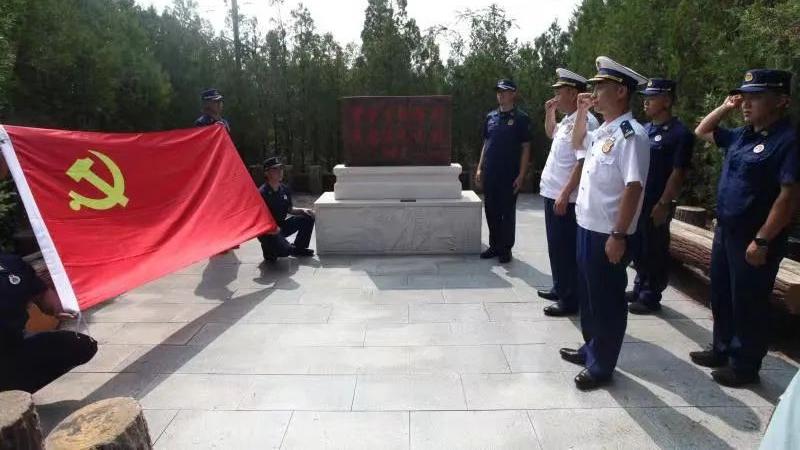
<point x="627" y="129"/>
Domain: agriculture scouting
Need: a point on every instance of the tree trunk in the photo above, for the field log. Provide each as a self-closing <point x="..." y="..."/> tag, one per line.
<point x="114" y="423"/>
<point x="315" y="179"/>
<point x="692" y="215"/>
<point x="19" y="422"/>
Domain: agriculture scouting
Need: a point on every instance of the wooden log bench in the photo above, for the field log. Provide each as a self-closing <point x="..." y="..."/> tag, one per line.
<point x="691" y="245"/>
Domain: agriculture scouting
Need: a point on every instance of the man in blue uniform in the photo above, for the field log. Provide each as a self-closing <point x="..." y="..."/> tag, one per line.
<point x="607" y="210"/>
<point x="290" y="220"/>
<point x="502" y="167"/>
<point x="756" y="199"/>
<point x="212" y="109"/>
<point x="28" y="362"/>
<point x="558" y="189"/>
<point x="671" y="145"/>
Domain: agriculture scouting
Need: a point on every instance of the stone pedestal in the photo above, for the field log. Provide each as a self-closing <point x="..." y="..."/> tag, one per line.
<point x="393" y="226"/>
<point x="399" y="182"/>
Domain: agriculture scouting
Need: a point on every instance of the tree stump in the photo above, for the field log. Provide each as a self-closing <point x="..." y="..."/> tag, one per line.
<point x="693" y="215"/>
<point x="111" y="424"/>
<point x="19" y="422"/>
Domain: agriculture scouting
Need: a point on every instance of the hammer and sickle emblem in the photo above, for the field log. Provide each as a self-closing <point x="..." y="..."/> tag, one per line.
<point x="115" y="194"/>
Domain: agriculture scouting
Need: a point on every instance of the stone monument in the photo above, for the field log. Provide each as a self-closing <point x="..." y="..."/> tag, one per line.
<point x="397" y="191"/>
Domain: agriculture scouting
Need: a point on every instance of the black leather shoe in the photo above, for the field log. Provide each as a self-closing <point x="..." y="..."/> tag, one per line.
<point x="557" y="311"/>
<point x="547" y="295"/>
<point x="270" y="259"/>
<point x="631" y="296"/>
<point x="573" y="356"/>
<point x="586" y="382"/>
<point x="488" y="253"/>
<point x="302" y="252"/>
<point x="708" y="358"/>
<point x="643" y="309"/>
<point x="505" y="258"/>
<point x="731" y="378"/>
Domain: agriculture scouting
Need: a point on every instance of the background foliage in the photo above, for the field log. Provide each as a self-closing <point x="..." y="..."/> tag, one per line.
<point x="111" y="65"/>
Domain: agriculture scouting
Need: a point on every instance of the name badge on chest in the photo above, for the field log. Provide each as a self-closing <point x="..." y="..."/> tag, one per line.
<point x="657" y="138"/>
<point x="608" y="145"/>
<point x="758" y="148"/>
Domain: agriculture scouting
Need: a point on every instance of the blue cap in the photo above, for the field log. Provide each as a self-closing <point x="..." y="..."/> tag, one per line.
<point x="760" y="80"/>
<point x="505" y="85"/>
<point x="659" y="86"/>
<point x="272" y="162"/>
<point x="567" y="78"/>
<point x="610" y="70"/>
<point x="211" y="95"/>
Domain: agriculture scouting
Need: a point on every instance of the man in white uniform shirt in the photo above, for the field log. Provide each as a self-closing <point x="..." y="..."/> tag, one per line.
<point x="607" y="210"/>
<point x="559" y="189"/>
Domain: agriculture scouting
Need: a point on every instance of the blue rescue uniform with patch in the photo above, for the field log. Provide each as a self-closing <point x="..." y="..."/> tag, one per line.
<point x="206" y="120"/>
<point x="671" y="147"/>
<point x="503" y="134"/>
<point x="755" y="167"/>
<point x="279" y="202"/>
<point x="29" y="361"/>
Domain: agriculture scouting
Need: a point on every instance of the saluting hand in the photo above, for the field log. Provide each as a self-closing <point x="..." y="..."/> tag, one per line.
<point x="732" y="102"/>
<point x="756" y="256"/>
<point x="585" y="101"/>
<point x="615" y="249"/>
<point x="550" y="105"/>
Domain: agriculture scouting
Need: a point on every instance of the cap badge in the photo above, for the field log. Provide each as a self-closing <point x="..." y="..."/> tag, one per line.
<point x="748" y="77"/>
<point x="13" y="279"/>
<point x="758" y="148"/>
<point x="650" y="83"/>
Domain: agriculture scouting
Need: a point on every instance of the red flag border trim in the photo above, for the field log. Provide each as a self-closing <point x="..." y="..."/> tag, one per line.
<point x="51" y="257"/>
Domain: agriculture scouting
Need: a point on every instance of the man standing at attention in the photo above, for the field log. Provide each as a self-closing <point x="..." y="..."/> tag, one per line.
<point x="501" y="169"/>
<point x="757" y="197"/>
<point x="558" y="188"/>
<point x="607" y="210"/>
<point x="212" y="109"/>
<point x="671" y="145"/>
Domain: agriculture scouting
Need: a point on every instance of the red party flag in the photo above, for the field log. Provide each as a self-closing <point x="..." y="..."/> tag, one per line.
<point x="112" y="211"/>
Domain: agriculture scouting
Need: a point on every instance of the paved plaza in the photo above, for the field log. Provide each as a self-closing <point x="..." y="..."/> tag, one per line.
<point x="439" y="352"/>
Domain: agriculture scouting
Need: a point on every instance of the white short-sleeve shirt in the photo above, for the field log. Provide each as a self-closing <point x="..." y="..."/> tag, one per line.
<point x="606" y="173"/>
<point x="562" y="158"/>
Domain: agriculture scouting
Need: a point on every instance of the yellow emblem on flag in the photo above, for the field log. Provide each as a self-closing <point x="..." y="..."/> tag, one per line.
<point x="81" y="169"/>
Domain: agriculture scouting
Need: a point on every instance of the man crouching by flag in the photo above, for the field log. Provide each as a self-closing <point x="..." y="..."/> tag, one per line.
<point x="28" y="362"/>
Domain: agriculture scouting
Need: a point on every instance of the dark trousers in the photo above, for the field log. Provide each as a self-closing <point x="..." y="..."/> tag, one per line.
<point x="42" y="357"/>
<point x="500" y="206"/>
<point x="276" y="245"/>
<point x="603" y="310"/>
<point x="740" y="298"/>
<point x="650" y="258"/>
<point x="561" y="241"/>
